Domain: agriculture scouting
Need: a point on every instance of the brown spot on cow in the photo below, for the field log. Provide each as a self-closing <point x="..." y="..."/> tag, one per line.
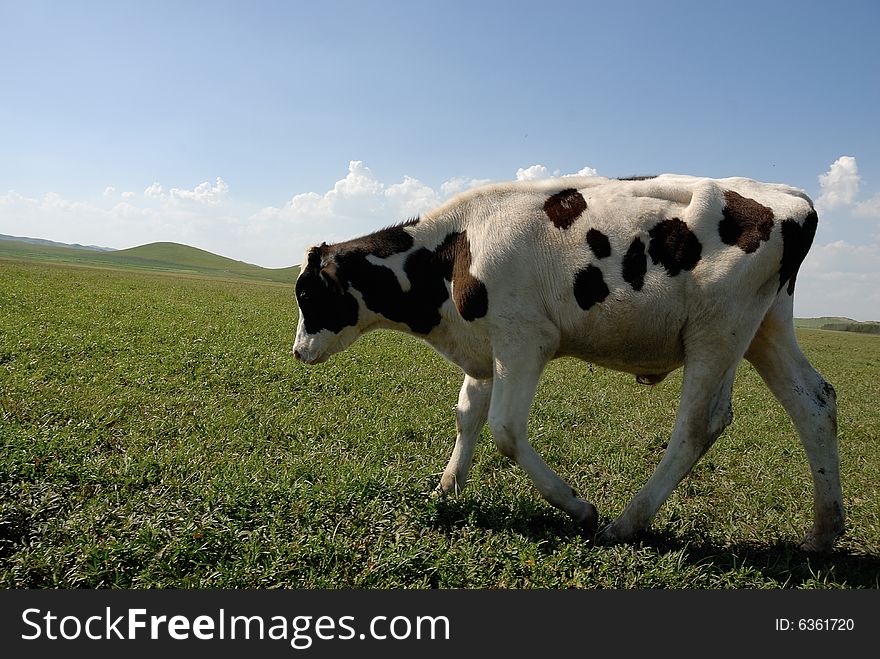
<point x="599" y="243"/>
<point x="589" y="287"/>
<point x="564" y="207"/>
<point x="746" y="222"/>
<point x="468" y="293"/>
<point x="674" y="245"/>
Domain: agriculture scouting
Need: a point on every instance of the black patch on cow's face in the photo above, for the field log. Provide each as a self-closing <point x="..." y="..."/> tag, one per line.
<point x="674" y="245"/>
<point x="746" y="222"/>
<point x="323" y="300"/>
<point x="322" y="290"/>
<point x="635" y="264"/>
<point x="598" y="242"/>
<point x="796" y="242"/>
<point x="427" y="272"/>
<point x="589" y="287"/>
<point x="564" y="207"/>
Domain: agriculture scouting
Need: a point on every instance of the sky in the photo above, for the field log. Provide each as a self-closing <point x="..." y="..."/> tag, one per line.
<point x="253" y="129"/>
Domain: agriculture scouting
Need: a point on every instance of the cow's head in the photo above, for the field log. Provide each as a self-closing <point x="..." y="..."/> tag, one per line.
<point x="328" y="311"/>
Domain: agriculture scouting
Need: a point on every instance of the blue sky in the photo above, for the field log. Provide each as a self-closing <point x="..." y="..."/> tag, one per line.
<point x="255" y="128"/>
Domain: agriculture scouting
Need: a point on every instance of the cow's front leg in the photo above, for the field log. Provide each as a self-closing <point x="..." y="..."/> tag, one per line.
<point x="516" y="379"/>
<point x="470" y="417"/>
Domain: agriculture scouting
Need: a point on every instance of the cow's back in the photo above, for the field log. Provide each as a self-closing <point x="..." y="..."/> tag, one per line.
<point x="621" y="267"/>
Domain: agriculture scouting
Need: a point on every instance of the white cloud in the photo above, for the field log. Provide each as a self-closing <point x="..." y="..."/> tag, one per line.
<point x="358" y="182"/>
<point x="532" y="173"/>
<point x="203" y="193"/>
<point x="127" y="195"/>
<point x="839" y="185"/>
<point x="841" y="256"/>
<point x="869" y="209"/>
<point x="109" y="191"/>
<point x="586" y="171"/>
<point x="154" y="191"/>
<point x="537" y="172"/>
<point x="412" y="196"/>
<point x="356" y="204"/>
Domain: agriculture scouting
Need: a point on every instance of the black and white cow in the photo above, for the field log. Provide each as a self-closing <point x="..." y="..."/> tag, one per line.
<point x="639" y="275"/>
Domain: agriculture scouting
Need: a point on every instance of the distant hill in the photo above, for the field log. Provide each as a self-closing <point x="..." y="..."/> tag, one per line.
<point x="839" y="324"/>
<point x="52" y="243"/>
<point x="816" y="323"/>
<point x="173" y="256"/>
<point x="158" y="257"/>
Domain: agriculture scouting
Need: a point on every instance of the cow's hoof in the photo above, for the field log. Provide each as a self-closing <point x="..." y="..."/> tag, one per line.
<point x="449" y="485"/>
<point x="611" y="535"/>
<point x="812" y="544"/>
<point x="607" y="537"/>
<point x="589" y="521"/>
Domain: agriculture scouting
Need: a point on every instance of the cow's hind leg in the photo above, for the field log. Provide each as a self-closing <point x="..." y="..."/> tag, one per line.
<point x="811" y="403"/>
<point x="704" y="411"/>
<point x="470" y="417"/>
<point x="517" y="372"/>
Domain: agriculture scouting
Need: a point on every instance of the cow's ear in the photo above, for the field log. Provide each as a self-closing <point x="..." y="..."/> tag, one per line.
<point x="313" y="260"/>
<point x="330" y="277"/>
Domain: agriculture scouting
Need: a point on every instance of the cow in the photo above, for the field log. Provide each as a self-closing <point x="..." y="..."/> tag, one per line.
<point x="642" y="275"/>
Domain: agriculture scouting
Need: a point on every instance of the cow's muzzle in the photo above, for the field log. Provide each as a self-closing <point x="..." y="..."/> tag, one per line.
<point x="308" y="358"/>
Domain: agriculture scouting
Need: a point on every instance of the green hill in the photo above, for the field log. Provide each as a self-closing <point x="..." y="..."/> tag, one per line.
<point x="817" y="323"/>
<point x="158" y="257"/>
<point x="839" y="324"/>
<point x="52" y="243"/>
<point x="182" y="258"/>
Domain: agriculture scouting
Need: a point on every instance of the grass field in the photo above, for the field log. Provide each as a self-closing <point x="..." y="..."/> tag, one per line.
<point x="156" y="432"/>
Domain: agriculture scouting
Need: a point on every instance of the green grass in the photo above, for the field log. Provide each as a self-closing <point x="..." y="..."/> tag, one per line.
<point x="156" y="432"/>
